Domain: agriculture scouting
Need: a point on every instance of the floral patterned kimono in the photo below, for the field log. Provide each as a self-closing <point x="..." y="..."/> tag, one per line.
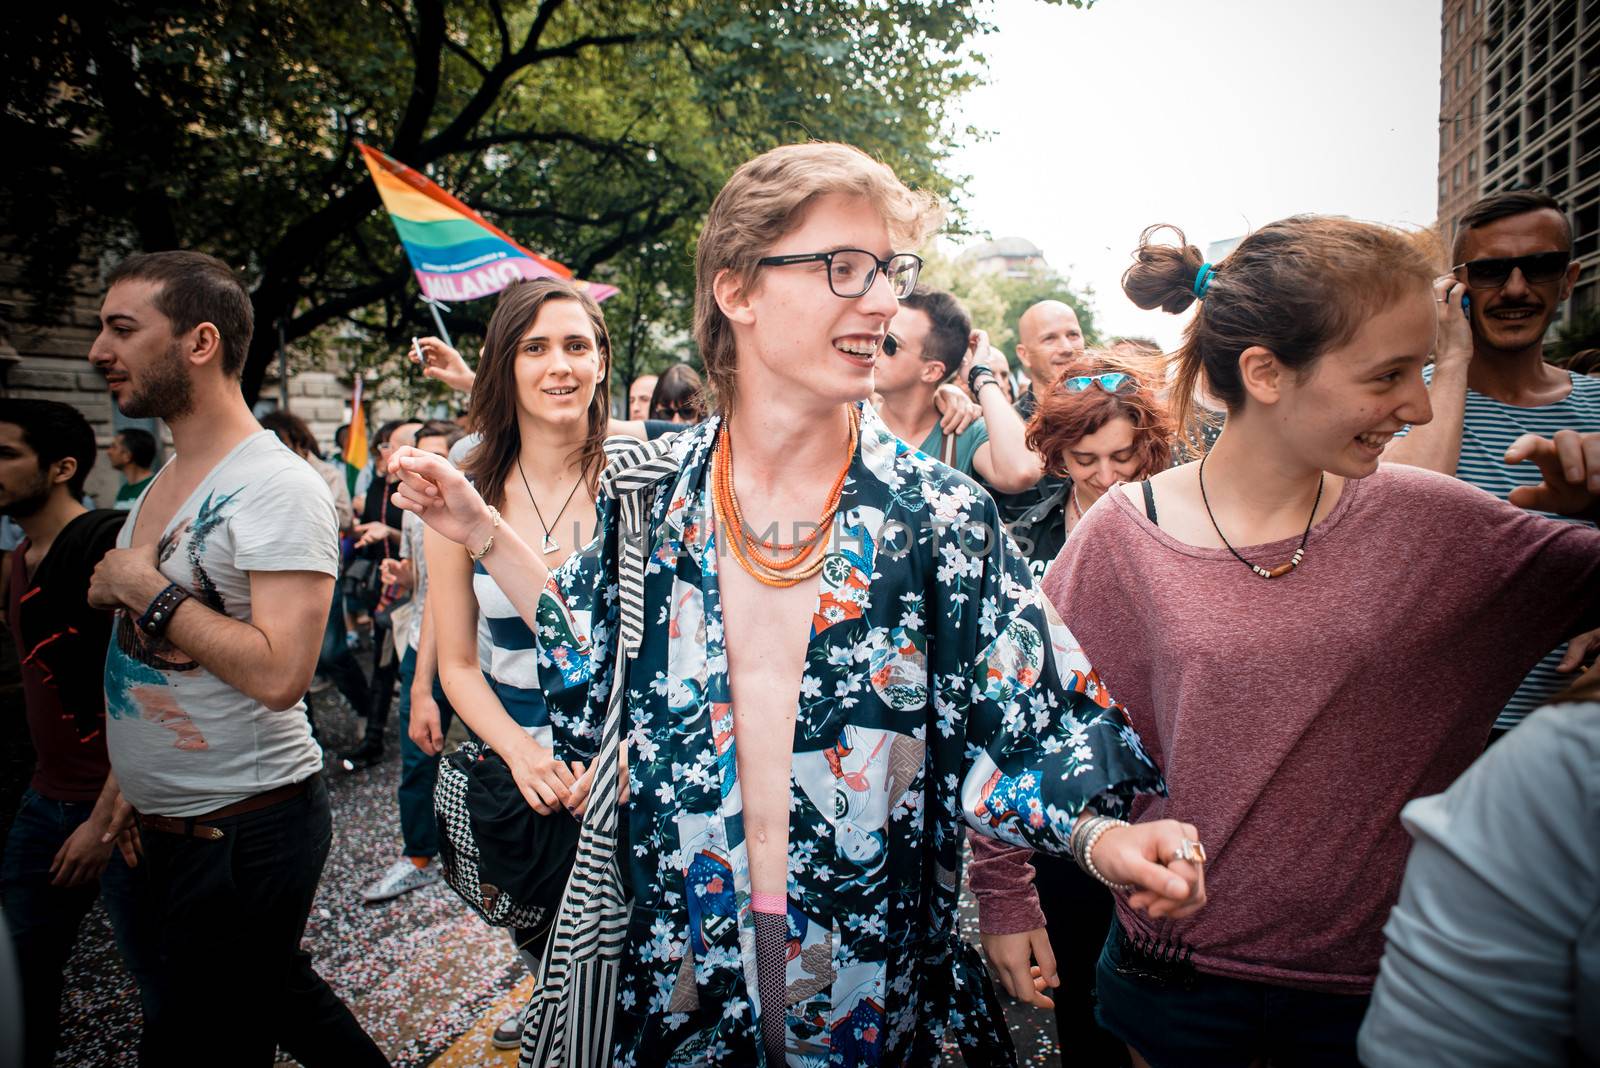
<point x="938" y="694"/>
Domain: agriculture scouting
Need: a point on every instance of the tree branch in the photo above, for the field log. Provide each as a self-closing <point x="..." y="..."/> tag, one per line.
<point x="426" y="49"/>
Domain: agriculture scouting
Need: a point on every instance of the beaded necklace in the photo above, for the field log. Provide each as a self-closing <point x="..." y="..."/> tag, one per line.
<point x="1281" y="569"/>
<point x="747" y="549"/>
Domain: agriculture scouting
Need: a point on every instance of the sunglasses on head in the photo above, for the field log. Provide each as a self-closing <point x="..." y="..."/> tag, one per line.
<point x="1110" y="382"/>
<point x="1537" y="269"/>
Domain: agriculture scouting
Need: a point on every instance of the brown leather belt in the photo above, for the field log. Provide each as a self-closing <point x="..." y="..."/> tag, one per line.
<point x="196" y="826"/>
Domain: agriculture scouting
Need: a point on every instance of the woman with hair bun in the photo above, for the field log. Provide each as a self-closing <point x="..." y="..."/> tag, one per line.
<point x="1306" y="640"/>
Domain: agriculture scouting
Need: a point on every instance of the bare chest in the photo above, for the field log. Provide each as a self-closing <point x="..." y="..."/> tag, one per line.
<point x="166" y="496"/>
<point x="767" y="631"/>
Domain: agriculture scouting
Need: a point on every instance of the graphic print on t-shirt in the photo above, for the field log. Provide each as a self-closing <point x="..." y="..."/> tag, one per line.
<point x="136" y="685"/>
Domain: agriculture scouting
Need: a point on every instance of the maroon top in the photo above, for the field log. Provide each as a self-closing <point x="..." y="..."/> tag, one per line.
<point x="61" y="643"/>
<point x="1293" y="718"/>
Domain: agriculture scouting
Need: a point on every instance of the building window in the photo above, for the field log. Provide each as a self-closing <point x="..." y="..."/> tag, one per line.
<point x="1455" y="178"/>
<point x="1461" y="21"/>
<point x="1472" y="165"/>
<point x="1458" y="75"/>
<point x="1444" y="188"/>
<point x="1475" y="59"/>
<point x="1447" y="36"/>
<point x="1477" y="6"/>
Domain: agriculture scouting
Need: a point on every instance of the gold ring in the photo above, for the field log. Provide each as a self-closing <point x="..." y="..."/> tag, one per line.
<point x="1190" y="850"/>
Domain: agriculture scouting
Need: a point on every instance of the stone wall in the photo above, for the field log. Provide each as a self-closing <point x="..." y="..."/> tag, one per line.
<point x="50" y="361"/>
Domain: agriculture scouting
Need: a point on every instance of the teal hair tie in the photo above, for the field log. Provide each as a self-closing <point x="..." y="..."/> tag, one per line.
<point x="1202" y="280"/>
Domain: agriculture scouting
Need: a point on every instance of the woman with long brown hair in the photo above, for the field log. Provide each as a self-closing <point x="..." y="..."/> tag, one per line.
<point x="539" y="416"/>
<point x="1099" y="424"/>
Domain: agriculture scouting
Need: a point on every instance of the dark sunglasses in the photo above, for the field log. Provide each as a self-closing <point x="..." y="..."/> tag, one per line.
<point x="1537" y="269"/>
<point x="1110" y="382"/>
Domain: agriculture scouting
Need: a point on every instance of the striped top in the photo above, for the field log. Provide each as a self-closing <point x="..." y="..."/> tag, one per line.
<point x="1487" y="432"/>
<point x="530" y="672"/>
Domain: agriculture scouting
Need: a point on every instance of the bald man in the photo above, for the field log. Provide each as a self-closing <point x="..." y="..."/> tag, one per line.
<point x="639" y="395"/>
<point x="1048" y="338"/>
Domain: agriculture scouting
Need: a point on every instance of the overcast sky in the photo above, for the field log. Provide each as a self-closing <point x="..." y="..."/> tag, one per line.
<point x="1216" y="115"/>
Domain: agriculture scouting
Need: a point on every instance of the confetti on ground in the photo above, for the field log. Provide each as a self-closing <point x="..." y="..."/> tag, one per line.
<point x="427" y="978"/>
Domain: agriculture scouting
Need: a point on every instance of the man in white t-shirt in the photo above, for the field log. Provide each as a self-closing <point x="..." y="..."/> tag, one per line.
<point x="221" y="581"/>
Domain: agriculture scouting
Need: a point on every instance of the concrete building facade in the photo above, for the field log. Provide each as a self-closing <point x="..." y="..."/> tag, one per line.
<point x="1520" y="107"/>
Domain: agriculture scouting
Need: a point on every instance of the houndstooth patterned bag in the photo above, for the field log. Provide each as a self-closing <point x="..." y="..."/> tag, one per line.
<point x="478" y="807"/>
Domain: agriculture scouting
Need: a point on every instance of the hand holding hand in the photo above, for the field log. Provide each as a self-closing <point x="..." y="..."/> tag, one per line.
<point x="442" y="362"/>
<point x="441" y="497"/>
<point x="1570" y="465"/>
<point x="126" y="578"/>
<point x="1025" y="965"/>
<point x="1145" y="855"/>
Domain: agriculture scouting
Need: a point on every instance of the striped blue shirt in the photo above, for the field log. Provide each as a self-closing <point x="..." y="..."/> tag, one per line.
<point x="1487" y="432"/>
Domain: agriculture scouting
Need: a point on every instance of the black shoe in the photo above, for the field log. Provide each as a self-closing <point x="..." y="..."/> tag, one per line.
<point x="366" y="755"/>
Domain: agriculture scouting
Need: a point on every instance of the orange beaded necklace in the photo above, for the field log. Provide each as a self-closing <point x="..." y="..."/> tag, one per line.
<point x="765" y="569"/>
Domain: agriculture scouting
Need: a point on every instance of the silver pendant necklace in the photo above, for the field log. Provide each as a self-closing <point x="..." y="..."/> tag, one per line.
<point x="549" y="545"/>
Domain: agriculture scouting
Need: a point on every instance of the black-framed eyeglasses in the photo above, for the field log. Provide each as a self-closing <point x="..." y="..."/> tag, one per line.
<point x="851" y="271"/>
<point x="1538" y="268"/>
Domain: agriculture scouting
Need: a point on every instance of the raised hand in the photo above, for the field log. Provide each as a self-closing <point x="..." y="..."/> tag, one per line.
<point x="440" y="496"/>
<point x="1570" y="465"/>
<point x="443" y="362"/>
<point x="1454" y="343"/>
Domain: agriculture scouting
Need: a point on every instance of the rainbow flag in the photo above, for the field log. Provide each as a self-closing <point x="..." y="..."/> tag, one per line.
<point x="457" y="254"/>
<point x="355" y="442"/>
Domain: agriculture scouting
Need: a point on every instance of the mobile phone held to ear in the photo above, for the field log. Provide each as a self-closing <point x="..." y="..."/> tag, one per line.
<point x="1466" y="305"/>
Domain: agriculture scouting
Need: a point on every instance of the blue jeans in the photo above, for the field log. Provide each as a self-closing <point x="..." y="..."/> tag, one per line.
<point x="418" y="771"/>
<point x="1224" y="1023"/>
<point x="233" y="982"/>
<point x="44" y="919"/>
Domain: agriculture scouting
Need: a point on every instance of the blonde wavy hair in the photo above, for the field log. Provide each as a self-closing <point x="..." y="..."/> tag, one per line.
<point x="767" y="198"/>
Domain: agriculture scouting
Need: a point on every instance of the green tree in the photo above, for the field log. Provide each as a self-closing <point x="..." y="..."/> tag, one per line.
<point x="996" y="302"/>
<point x="596" y="133"/>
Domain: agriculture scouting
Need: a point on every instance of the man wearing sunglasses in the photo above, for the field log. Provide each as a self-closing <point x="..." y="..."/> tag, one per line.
<point x="1489" y="383"/>
<point x="930" y="340"/>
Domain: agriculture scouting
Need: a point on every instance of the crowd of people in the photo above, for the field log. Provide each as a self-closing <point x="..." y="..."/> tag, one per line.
<point x="1250" y="684"/>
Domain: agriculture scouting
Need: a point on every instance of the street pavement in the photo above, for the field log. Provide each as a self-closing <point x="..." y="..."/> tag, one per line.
<point x="423" y="974"/>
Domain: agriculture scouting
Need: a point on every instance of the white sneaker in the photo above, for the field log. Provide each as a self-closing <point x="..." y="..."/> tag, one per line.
<point x="401" y="878"/>
<point x="509" y="1034"/>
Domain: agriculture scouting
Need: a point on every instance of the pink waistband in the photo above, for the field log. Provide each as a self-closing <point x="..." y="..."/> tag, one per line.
<point x="771" y="904"/>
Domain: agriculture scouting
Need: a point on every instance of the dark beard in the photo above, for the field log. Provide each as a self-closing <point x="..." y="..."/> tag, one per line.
<point x="30" y="501"/>
<point x="166" y="393"/>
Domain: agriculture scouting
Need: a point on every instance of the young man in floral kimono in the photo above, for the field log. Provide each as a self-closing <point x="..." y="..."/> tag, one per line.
<point x="843" y="664"/>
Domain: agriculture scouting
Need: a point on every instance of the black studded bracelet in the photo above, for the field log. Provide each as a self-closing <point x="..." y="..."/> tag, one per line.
<point x="158" y="616"/>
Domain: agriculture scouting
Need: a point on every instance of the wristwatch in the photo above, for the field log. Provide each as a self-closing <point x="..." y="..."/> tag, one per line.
<point x="159" y="615"/>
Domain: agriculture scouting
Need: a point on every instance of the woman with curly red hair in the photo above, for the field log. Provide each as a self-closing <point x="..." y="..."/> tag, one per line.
<point x="1101" y="423"/>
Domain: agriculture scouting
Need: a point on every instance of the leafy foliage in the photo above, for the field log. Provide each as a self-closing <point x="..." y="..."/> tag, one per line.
<point x="596" y="133"/>
<point x="996" y="301"/>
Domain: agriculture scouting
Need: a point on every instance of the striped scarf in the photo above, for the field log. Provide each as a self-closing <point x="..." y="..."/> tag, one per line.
<point x="568" y="1021"/>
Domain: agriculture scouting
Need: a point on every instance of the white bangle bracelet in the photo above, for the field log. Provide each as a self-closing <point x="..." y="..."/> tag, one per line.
<point x="1088" y="854"/>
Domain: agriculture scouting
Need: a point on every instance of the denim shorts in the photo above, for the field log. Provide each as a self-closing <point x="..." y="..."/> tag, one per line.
<point x="1211" y="1021"/>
